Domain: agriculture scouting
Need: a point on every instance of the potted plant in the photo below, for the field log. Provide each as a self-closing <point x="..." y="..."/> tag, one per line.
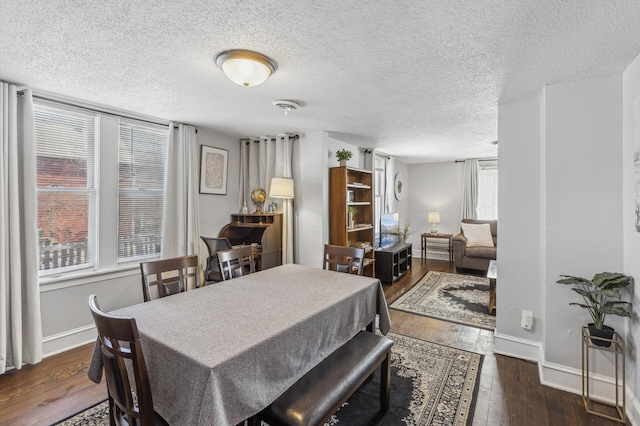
<point x="351" y="211"/>
<point x="343" y="156"/>
<point x="403" y="233"/>
<point x="597" y="294"/>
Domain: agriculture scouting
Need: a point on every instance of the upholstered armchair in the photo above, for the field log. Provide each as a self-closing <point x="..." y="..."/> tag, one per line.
<point x="470" y="256"/>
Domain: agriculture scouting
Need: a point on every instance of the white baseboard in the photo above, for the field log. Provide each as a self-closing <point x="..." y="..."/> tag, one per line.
<point x="431" y="255"/>
<point x="70" y="339"/>
<point x="516" y="347"/>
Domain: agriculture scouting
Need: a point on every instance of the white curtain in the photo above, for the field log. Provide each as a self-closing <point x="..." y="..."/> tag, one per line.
<point x="262" y="159"/>
<point x="283" y="168"/>
<point x="181" y="214"/>
<point x="470" y="190"/>
<point x="20" y="322"/>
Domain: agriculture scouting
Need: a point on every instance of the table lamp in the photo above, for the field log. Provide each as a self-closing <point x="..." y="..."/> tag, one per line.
<point x="433" y="218"/>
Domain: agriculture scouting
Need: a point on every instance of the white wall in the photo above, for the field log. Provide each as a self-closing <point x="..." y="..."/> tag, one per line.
<point x="215" y="210"/>
<point x="520" y="224"/>
<point x="66" y="321"/>
<point x="583" y="143"/>
<point x="434" y="187"/>
<point x="334" y="145"/>
<point x="631" y="138"/>
<point x="310" y="159"/>
<point x="560" y="205"/>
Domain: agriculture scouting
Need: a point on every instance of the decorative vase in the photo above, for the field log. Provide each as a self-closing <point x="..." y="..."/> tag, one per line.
<point x="605" y="333"/>
<point x="343" y="163"/>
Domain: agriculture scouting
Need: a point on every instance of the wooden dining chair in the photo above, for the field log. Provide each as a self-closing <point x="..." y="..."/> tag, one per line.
<point x="120" y="347"/>
<point x="171" y="275"/>
<point x="343" y="259"/>
<point x="214" y="245"/>
<point x="236" y="262"/>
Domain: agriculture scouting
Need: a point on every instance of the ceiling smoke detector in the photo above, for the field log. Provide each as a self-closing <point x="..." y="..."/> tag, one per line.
<point x="286" y="105"/>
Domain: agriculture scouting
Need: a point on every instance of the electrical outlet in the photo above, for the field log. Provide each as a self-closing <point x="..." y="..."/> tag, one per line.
<point x="527" y="320"/>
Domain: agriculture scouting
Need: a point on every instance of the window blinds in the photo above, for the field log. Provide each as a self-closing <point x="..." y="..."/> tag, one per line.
<point x="141" y="170"/>
<point x="65" y="142"/>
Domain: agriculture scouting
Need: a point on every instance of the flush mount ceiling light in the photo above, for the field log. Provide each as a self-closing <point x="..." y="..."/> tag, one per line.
<point x="286" y="105"/>
<point x="245" y="67"/>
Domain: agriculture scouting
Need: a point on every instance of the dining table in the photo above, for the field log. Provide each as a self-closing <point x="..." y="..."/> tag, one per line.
<point x="219" y="354"/>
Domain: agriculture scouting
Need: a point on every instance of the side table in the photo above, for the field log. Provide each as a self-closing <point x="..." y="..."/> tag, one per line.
<point x="617" y="349"/>
<point x="436" y="245"/>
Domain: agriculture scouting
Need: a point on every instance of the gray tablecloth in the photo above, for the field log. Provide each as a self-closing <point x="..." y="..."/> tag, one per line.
<point x="220" y="354"/>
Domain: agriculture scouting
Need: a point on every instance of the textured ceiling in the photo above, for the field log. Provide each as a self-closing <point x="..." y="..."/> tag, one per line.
<point x="417" y="79"/>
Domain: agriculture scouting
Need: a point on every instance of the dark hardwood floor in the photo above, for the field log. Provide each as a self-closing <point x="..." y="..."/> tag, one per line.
<point x="510" y="392"/>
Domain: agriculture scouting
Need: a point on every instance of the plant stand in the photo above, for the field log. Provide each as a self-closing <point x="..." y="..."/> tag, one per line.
<point x="618" y="349"/>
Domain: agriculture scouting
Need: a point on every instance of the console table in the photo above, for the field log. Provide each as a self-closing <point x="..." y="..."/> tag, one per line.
<point x="393" y="262"/>
<point x="438" y="244"/>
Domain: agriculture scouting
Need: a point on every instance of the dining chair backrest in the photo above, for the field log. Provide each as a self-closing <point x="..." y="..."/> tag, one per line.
<point x="214" y="245"/>
<point x="171" y="275"/>
<point x="343" y="259"/>
<point x="120" y="347"/>
<point x="236" y="262"/>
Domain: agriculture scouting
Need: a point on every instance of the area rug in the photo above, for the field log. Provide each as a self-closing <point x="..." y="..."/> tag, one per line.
<point x="456" y="298"/>
<point x="431" y="384"/>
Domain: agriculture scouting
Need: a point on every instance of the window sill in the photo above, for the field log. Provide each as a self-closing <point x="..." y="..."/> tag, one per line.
<point x="57" y="282"/>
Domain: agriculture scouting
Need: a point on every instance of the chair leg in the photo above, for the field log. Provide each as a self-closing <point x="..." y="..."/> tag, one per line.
<point x="385" y="382"/>
<point x="112" y="412"/>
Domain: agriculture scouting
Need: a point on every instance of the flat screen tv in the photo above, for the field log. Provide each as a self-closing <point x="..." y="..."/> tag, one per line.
<point x="389" y="230"/>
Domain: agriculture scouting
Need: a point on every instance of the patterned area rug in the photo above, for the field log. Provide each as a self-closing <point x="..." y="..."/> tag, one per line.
<point x="431" y="384"/>
<point x="456" y="298"/>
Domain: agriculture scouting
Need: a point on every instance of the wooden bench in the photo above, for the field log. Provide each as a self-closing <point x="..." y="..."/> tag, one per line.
<point x="314" y="398"/>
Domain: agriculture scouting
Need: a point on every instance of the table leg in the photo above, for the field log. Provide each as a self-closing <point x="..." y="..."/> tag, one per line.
<point x="492" y="294"/>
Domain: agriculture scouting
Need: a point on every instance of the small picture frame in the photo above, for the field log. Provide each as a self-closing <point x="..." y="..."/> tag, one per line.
<point x="213" y="170"/>
<point x="350" y="196"/>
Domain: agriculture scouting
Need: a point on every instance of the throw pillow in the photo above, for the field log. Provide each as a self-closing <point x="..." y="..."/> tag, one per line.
<point x="477" y="235"/>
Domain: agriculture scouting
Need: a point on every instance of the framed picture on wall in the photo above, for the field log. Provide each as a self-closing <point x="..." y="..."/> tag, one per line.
<point x="213" y="170"/>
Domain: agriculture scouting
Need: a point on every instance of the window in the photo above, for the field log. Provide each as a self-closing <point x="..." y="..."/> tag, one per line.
<point x="380" y="187"/>
<point x="100" y="183"/>
<point x="488" y="190"/>
<point x="141" y="159"/>
<point x="66" y="192"/>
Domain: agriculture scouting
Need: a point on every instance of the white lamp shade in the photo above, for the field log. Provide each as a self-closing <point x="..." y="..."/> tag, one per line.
<point x="281" y="188"/>
<point x="245" y="67"/>
<point x="433" y="217"/>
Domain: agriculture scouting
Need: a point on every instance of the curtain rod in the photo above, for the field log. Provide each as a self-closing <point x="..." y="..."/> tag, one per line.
<point x="257" y="140"/>
<point x="479" y="159"/>
<point x="86" y="108"/>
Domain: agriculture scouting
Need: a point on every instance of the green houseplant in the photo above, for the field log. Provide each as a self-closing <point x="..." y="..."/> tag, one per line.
<point x="343" y="156"/>
<point x="403" y="233"/>
<point x="597" y="295"/>
<point x="351" y="212"/>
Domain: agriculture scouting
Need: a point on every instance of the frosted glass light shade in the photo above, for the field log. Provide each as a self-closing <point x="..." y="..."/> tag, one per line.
<point x="433" y="217"/>
<point x="281" y="188"/>
<point x="245" y="67"/>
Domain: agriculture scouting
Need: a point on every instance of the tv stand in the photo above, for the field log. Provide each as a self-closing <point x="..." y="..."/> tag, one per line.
<point x="393" y="262"/>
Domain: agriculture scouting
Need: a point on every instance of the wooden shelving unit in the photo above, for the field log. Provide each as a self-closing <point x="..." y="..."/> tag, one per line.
<point x="351" y="187"/>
